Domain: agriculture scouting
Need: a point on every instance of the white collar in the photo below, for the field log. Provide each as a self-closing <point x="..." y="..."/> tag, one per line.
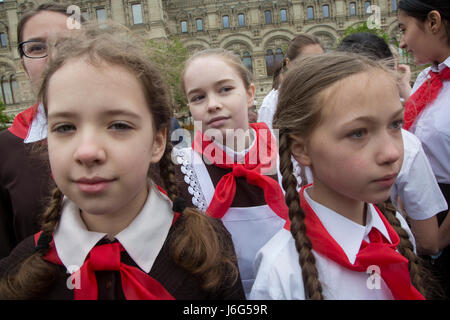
<point x="142" y="239"/>
<point x="348" y="234"/>
<point x="441" y="66"/>
<point x="38" y="127"/>
<point x="239" y="156"/>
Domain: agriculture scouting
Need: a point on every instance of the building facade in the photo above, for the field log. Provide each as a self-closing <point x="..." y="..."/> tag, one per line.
<point x="257" y="30"/>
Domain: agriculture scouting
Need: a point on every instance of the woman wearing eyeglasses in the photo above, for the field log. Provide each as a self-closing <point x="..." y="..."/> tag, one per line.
<point x="24" y="179"/>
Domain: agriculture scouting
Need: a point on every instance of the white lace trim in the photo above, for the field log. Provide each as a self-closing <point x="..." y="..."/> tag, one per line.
<point x="184" y="158"/>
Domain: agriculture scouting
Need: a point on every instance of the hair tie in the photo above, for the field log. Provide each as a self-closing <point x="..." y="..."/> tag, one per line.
<point x="43" y="242"/>
<point x="179" y="204"/>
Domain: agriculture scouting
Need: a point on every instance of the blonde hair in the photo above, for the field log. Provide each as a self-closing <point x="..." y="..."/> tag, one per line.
<point x="198" y="244"/>
<point x="229" y="57"/>
<point x="298" y="113"/>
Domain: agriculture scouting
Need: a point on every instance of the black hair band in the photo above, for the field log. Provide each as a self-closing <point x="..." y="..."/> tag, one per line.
<point x="43" y="242"/>
<point x="179" y="204"/>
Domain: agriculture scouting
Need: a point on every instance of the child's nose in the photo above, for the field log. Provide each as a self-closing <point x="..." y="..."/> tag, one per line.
<point x="89" y="152"/>
<point x="391" y="150"/>
<point x="214" y="103"/>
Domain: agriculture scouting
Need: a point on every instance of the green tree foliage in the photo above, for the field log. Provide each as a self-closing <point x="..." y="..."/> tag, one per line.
<point x="362" y="27"/>
<point x="4" y="118"/>
<point x="169" y="55"/>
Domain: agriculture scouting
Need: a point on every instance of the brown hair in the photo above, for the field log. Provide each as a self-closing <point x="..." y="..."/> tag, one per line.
<point x="49" y="6"/>
<point x="232" y="59"/>
<point x="293" y="51"/>
<point x="298" y="113"/>
<point x="197" y="246"/>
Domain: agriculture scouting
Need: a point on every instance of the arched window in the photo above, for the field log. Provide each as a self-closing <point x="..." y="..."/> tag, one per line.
<point x="241" y="20"/>
<point x="352" y="8"/>
<point x="225" y="22"/>
<point x="268" y="15"/>
<point x="247" y="61"/>
<point x="326" y="11"/>
<point x="14" y="89"/>
<point x="394" y="5"/>
<point x="310" y="13"/>
<point x="283" y="15"/>
<point x="367" y="7"/>
<point x="273" y="60"/>
<point x="6" y="91"/>
<point x="269" y="62"/>
<point x="184" y="26"/>
<point x="199" y="24"/>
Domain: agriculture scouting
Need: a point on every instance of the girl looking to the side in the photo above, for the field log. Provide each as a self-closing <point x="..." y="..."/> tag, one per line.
<point x="425" y="27"/>
<point x="231" y="170"/>
<point x="340" y="115"/>
<point x="116" y="233"/>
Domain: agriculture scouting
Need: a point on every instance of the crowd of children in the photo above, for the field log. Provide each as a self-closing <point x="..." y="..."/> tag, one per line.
<point x="340" y="190"/>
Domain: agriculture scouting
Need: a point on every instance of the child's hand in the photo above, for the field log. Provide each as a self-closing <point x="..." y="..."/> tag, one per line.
<point x="403" y="81"/>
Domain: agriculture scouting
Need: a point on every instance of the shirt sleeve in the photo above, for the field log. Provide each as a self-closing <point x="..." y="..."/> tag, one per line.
<point x="417" y="186"/>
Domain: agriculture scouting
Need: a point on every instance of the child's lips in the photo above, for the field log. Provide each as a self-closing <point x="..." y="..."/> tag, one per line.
<point x="217" y="121"/>
<point x="93" y="185"/>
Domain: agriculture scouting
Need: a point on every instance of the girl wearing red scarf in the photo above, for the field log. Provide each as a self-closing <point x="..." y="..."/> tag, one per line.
<point x="425" y="26"/>
<point x="231" y="170"/>
<point x="109" y="231"/>
<point x="340" y="115"/>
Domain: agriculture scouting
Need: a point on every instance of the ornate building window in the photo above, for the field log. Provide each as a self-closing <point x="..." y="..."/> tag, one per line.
<point x="3" y="39"/>
<point x="247" y="61"/>
<point x="326" y="11"/>
<point x="352" y="8"/>
<point x="367" y="7"/>
<point x="8" y="89"/>
<point x="268" y="16"/>
<point x="184" y="26"/>
<point x="310" y="13"/>
<point x="199" y="23"/>
<point x="137" y="13"/>
<point x="283" y="15"/>
<point x="101" y="15"/>
<point x="225" y="22"/>
<point x="241" y="20"/>
<point x="394" y="5"/>
<point x="273" y="59"/>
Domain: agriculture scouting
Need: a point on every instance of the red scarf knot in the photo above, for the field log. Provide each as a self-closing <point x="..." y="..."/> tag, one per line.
<point x="260" y="160"/>
<point x="379" y="252"/>
<point x="424" y="96"/>
<point x="136" y="284"/>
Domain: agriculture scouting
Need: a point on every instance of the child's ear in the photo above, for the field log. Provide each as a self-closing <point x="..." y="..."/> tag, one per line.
<point x="251" y="95"/>
<point x="159" y="145"/>
<point x="434" y="21"/>
<point x="299" y="150"/>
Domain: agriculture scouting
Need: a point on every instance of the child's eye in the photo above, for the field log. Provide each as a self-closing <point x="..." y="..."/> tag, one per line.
<point x="120" y="126"/>
<point x="357" y="134"/>
<point x="226" y="89"/>
<point x="397" y="124"/>
<point x="64" y="128"/>
<point x="197" y="98"/>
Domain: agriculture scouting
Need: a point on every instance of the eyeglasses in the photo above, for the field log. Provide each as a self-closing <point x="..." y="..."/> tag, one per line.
<point x="34" y="49"/>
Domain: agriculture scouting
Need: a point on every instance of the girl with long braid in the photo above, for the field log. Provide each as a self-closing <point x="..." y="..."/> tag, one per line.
<point x="108" y="226"/>
<point x="340" y="115"/>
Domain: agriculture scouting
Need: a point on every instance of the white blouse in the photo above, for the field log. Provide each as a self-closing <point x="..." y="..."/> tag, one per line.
<point x="279" y="275"/>
<point x="432" y="126"/>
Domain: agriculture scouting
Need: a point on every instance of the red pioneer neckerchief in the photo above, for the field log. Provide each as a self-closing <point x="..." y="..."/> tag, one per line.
<point x="257" y="161"/>
<point x="379" y="252"/>
<point x="22" y="122"/>
<point x="136" y="284"/>
<point x="424" y="96"/>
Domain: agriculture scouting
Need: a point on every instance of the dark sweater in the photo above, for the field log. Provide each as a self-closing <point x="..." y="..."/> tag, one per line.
<point x="178" y="282"/>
